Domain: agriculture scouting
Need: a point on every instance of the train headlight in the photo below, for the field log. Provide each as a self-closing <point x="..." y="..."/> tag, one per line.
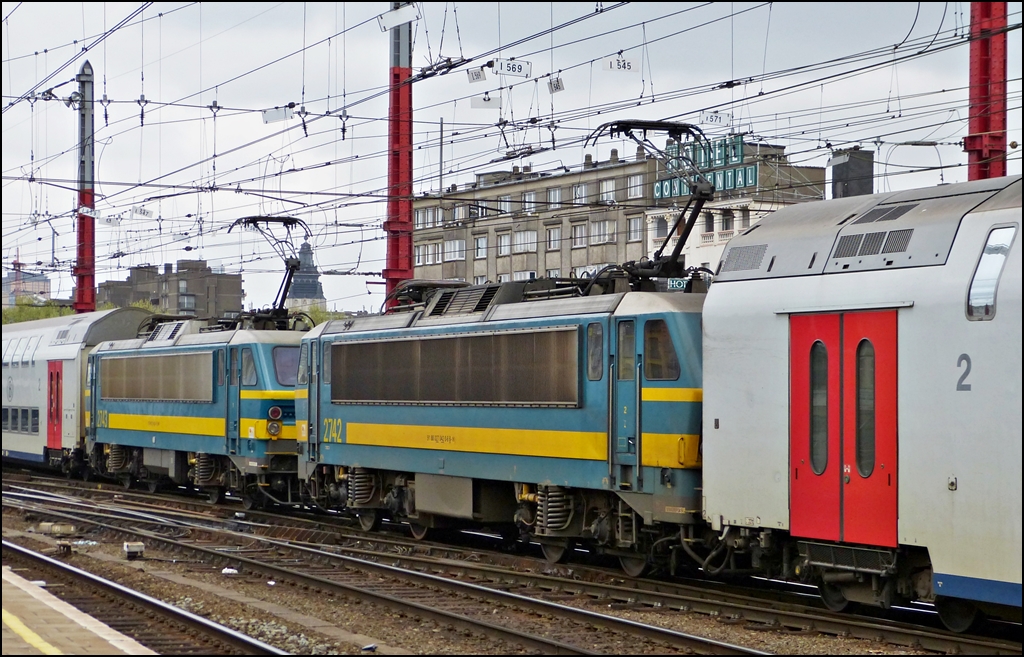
<point x="273" y="428"/>
<point x="274" y="413"/>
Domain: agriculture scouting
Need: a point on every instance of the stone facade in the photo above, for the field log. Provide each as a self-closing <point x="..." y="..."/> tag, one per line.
<point x="21" y="283"/>
<point x="306" y="291"/>
<point x="194" y="289"/>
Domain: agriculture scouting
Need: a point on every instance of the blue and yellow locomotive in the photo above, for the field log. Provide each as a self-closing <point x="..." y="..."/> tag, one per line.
<point x="188" y="405"/>
<point x="577" y="418"/>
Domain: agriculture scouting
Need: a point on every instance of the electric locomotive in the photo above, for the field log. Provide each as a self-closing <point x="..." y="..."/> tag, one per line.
<point x="862" y="398"/>
<point x="525" y="406"/>
<point x="190" y="403"/>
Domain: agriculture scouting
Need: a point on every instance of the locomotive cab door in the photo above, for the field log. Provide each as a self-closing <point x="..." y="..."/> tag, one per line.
<point x="233" y="423"/>
<point x="843" y="442"/>
<point x="313" y="400"/>
<point x="623" y="410"/>
<point x="54" y="403"/>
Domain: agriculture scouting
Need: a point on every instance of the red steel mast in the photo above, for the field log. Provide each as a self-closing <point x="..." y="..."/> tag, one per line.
<point x="398" y="225"/>
<point x="985" y="143"/>
<point x="85" y="267"/>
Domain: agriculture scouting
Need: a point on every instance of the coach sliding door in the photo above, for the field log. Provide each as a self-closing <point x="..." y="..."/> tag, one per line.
<point x="843" y="441"/>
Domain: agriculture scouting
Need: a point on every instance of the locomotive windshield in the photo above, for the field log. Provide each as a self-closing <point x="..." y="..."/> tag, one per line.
<point x="286" y="365"/>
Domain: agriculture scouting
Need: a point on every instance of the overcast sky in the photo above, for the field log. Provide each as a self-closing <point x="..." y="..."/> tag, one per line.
<point x="808" y="76"/>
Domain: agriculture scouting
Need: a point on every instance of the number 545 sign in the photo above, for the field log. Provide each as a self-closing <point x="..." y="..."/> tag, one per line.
<point x="617" y="64"/>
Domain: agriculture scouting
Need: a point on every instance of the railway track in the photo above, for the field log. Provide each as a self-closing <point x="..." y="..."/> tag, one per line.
<point x="161" y="627"/>
<point x="515" y="619"/>
<point x="594" y="587"/>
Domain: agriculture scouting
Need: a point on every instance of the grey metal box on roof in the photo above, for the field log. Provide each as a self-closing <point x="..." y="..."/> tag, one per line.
<point x="370" y="323"/>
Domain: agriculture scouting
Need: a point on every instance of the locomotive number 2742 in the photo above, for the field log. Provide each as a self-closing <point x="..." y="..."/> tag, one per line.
<point x="332" y="430"/>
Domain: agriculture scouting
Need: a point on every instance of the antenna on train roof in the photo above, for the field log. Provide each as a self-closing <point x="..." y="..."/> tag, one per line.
<point x="284" y="247"/>
<point x="701" y="188"/>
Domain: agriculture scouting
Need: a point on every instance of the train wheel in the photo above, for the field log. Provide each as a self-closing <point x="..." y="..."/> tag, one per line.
<point x="634" y="566"/>
<point x="833" y="597"/>
<point x="957" y="615"/>
<point x="419" y="532"/>
<point x="557" y="552"/>
<point x="369" y="520"/>
<point x="213" y="494"/>
<point x="126" y="482"/>
<point x="153" y="485"/>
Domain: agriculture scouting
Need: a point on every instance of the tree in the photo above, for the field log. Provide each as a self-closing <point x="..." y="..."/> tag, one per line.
<point x="24" y="310"/>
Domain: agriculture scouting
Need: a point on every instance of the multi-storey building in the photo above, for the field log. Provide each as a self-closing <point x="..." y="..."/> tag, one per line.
<point x="22" y="283"/>
<point x="521" y="224"/>
<point x="194" y="289"/>
<point x="751" y="180"/>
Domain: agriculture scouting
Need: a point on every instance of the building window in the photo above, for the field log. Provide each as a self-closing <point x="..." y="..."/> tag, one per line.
<point x="454" y="250"/>
<point x="479" y="280"/>
<point x="745" y="218"/>
<point x="524" y="275"/>
<point x="709" y="222"/>
<point x="503" y="278"/>
<point x="554" y="238"/>
<point x="579" y="235"/>
<point x="608" y="191"/>
<point x="459" y="213"/>
<point x="504" y="204"/>
<point x="424" y="218"/>
<point x="504" y="244"/>
<point x="602" y="232"/>
<point x="187" y="302"/>
<point x="727" y="219"/>
<point x="554" y="198"/>
<point x="480" y="247"/>
<point x="524" y="241"/>
<point x="553" y="273"/>
<point x="635" y="188"/>
<point x="661" y="227"/>
<point x="636" y="229"/>
<point x="182" y="286"/>
<point x="427" y="254"/>
<point x="579" y="194"/>
<point x="529" y="201"/>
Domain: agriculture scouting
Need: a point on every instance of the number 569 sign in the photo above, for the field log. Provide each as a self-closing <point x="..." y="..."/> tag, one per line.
<point x="512" y="67"/>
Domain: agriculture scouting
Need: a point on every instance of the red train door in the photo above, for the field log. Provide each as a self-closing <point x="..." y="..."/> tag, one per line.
<point x="814" y="448"/>
<point x="54" y="403"/>
<point x="869" y="428"/>
<point x="843" y="449"/>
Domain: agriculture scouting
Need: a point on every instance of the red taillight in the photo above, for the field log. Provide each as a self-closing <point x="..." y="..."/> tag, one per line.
<point x="274" y="413"/>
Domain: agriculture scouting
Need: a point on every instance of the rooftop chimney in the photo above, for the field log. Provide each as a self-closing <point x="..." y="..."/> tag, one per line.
<point x="588" y="161"/>
<point x="853" y="172"/>
<point x="614" y="159"/>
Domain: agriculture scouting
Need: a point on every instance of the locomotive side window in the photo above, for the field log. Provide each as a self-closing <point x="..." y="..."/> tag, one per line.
<point x="221" y="366"/>
<point x="865" y="408"/>
<point x="500" y="369"/>
<point x="627" y="350"/>
<point x="819" y="407"/>
<point x="286" y="365"/>
<point x="595" y="351"/>
<point x="325" y="371"/>
<point x="233" y="374"/>
<point x="302" y="378"/>
<point x="981" y="299"/>
<point x="249" y="377"/>
<point x="660" y="360"/>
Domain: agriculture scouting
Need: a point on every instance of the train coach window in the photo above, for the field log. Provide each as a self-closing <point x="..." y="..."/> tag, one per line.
<point x="249" y="377"/>
<point x="819" y="407"/>
<point x="302" y="378"/>
<point x="286" y="365"/>
<point x="981" y="299"/>
<point x="35" y="421"/>
<point x="660" y="360"/>
<point x="24" y="420"/>
<point x="595" y="351"/>
<point x="7" y="416"/>
<point x="627" y="349"/>
<point x="865" y="408"/>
